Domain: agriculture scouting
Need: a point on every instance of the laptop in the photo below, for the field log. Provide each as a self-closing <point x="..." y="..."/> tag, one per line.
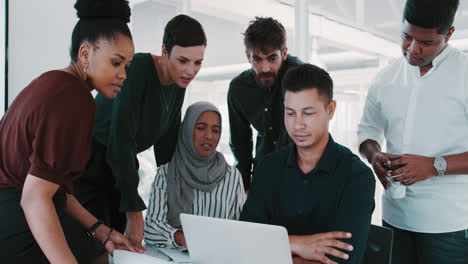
<point x="214" y="241"/>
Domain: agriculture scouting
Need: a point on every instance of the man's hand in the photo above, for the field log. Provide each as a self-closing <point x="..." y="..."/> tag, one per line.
<point x="377" y="160"/>
<point x="113" y="240"/>
<point x="134" y="230"/>
<point x="417" y="168"/>
<point x="314" y="247"/>
<point x="180" y="238"/>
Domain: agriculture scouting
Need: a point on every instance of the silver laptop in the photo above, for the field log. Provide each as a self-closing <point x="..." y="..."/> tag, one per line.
<point x="214" y="241"/>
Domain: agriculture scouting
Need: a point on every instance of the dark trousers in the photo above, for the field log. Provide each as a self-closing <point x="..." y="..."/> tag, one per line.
<point x="427" y="248"/>
<point x="17" y="243"/>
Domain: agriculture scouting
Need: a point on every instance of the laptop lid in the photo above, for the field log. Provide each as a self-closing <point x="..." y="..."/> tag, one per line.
<point x="213" y="241"/>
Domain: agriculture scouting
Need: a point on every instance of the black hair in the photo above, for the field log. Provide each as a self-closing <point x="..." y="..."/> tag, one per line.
<point x="183" y="31"/>
<point x="99" y="19"/>
<point x="308" y="76"/>
<point x="431" y="13"/>
<point x="264" y="33"/>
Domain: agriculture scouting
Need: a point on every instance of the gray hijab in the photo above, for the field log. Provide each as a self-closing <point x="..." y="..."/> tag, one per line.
<point x="188" y="171"/>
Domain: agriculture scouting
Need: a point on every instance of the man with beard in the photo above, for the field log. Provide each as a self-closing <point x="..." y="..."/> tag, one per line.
<point x="255" y="97"/>
<point x="419" y="105"/>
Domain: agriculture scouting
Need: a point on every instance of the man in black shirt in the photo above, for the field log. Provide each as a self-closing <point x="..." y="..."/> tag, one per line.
<point x="255" y="97"/>
<point x="313" y="187"/>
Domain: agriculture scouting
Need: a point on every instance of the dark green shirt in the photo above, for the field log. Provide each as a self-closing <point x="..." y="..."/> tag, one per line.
<point x="337" y="195"/>
<point x="144" y="113"/>
<point x="249" y="104"/>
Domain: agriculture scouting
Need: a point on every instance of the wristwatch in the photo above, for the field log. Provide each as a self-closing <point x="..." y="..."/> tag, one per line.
<point x="440" y="164"/>
<point x="91" y="233"/>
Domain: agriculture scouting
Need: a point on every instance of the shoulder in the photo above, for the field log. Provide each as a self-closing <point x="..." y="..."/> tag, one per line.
<point x="142" y="59"/>
<point x="242" y="82"/>
<point x="292" y="61"/>
<point x="354" y="167"/>
<point x="142" y="64"/>
<point x="388" y="72"/>
<point x="273" y="162"/>
<point x="458" y="56"/>
<point x="67" y="91"/>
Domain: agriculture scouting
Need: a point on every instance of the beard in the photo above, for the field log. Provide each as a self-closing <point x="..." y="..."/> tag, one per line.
<point x="266" y="79"/>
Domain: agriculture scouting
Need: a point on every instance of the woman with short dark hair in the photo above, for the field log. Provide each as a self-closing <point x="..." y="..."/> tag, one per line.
<point x="146" y="113"/>
<point x="46" y="135"/>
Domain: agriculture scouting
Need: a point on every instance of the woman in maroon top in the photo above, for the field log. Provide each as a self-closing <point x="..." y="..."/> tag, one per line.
<point x="45" y="140"/>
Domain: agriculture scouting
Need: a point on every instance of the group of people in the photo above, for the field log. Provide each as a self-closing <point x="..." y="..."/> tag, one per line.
<point x="69" y="167"/>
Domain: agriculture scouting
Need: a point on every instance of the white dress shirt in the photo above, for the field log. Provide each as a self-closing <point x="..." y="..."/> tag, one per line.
<point x="225" y="201"/>
<point x="425" y="116"/>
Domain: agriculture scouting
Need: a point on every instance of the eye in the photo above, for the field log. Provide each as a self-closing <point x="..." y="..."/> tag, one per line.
<point x="200" y="128"/>
<point x="116" y="63"/>
<point x="273" y="59"/>
<point x="198" y="63"/>
<point x="426" y="44"/>
<point x="290" y="113"/>
<point x="309" y="114"/>
<point x="216" y="131"/>
<point x="406" y="37"/>
<point x="183" y="61"/>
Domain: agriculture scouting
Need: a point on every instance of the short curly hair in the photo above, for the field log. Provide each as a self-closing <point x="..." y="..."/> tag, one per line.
<point x="265" y="33"/>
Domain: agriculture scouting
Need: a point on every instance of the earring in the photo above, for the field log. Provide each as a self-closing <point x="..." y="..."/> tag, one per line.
<point x="85" y="69"/>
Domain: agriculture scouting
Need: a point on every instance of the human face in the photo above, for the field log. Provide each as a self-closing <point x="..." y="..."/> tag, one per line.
<point x="107" y="62"/>
<point x="421" y="45"/>
<point x="266" y="65"/>
<point x="184" y="63"/>
<point x="206" y="133"/>
<point x="307" y="116"/>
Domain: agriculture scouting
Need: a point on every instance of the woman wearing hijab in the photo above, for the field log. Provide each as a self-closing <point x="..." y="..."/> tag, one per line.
<point x="197" y="180"/>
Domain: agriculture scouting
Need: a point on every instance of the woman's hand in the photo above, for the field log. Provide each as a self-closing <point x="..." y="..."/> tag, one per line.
<point x="134" y="230"/>
<point x="112" y="240"/>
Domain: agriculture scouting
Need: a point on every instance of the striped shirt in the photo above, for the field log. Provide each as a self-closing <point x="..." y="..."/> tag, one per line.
<point x="225" y="201"/>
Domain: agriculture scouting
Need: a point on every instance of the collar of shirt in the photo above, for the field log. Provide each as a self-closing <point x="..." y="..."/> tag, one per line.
<point x="327" y="163"/>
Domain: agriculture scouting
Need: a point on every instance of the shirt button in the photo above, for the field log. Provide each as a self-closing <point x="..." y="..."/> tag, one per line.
<point x="266" y="109"/>
<point x="274" y="142"/>
<point x="306" y="181"/>
<point x="271" y="128"/>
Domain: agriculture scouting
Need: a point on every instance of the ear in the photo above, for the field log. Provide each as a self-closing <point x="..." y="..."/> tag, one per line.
<point x="84" y="53"/>
<point x="248" y="54"/>
<point x="284" y="53"/>
<point x="449" y="34"/>
<point x="164" y="51"/>
<point x="331" y="109"/>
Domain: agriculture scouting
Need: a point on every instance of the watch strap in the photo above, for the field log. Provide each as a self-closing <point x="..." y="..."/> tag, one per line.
<point x="91" y="233"/>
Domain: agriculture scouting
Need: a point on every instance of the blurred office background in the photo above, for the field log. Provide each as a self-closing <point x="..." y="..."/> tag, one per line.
<point x="351" y="39"/>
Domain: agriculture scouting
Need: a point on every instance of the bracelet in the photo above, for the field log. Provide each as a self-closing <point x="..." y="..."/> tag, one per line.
<point x="108" y="237"/>
<point x="91" y="233"/>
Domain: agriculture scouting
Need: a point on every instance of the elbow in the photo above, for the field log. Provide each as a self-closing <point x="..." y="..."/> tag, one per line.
<point x="31" y="200"/>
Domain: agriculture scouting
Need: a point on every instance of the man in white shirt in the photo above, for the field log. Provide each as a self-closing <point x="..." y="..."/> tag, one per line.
<point x="419" y="105"/>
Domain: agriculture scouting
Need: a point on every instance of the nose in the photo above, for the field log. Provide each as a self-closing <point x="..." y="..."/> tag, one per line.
<point x="414" y="47"/>
<point x="208" y="134"/>
<point x="299" y="122"/>
<point x="265" y="66"/>
<point x="122" y="74"/>
<point x="190" y="70"/>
